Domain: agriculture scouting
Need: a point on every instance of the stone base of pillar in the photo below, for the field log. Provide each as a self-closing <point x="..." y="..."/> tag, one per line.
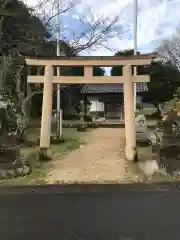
<point x="43" y="155"/>
<point x="131" y="153"/>
<point x="56" y="140"/>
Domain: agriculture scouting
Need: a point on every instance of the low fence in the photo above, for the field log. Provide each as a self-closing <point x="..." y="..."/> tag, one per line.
<point x="132" y="211"/>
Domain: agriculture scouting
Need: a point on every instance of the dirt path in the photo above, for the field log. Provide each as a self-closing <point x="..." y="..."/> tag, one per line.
<point x="100" y="160"/>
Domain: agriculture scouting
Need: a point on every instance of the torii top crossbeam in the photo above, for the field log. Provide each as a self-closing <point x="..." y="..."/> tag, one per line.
<point x="88" y="62"/>
<point x="106" y="61"/>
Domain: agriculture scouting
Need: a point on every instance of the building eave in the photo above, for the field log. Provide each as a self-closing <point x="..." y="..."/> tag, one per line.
<point x="110" y="88"/>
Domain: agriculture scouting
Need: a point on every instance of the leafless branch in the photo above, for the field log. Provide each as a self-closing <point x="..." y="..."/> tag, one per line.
<point x="47" y="10"/>
<point x="170" y="49"/>
<point x="96" y="34"/>
<point x="95" y="30"/>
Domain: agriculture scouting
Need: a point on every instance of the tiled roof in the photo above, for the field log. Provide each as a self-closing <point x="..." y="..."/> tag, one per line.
<point x="111" y="88"/>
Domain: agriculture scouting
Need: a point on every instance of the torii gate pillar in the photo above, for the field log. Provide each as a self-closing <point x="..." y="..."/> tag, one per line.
<point x="130" y="131"/>
<point x="46" y="110"/>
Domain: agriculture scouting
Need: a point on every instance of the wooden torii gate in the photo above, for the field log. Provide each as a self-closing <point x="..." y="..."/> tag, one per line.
<point x="88" y="62"/>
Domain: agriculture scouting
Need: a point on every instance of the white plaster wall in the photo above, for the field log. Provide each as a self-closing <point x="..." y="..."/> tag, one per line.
<point x="96" y="105"/>
<point x="93" y="107"/>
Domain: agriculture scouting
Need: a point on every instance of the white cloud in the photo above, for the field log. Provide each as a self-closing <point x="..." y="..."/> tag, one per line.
<point x="157" y="19"/>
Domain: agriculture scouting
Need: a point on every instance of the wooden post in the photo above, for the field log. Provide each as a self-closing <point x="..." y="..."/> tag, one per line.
<point x="88" y="72"/>
<point x="130" y="132"/>
<point x="46" y="110"/>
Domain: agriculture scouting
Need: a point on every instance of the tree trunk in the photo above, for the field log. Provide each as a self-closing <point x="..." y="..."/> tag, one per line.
<point x="28" y="105"/>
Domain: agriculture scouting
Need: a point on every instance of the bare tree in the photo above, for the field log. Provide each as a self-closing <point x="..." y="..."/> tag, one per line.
<point x="94" y="29"/>
<point x="170" y="49"/>
<point x="46" y="10"/>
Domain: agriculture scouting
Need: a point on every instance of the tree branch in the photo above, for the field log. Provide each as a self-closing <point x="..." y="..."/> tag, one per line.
<point x="95" y="30"/>
<point x="170" y="49"/>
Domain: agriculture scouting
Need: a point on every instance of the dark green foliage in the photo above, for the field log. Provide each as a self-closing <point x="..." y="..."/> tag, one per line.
<point x="164" y="79"/>
<point x="139" y="106"/>
<point x="117" y="71"/>
<point x="20" y="30"/>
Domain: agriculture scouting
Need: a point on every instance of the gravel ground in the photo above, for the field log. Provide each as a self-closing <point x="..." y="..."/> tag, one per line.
<point x="100" y="160"/>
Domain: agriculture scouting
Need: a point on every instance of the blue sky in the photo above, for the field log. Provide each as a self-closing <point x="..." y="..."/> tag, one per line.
<point x="157" y="20"/>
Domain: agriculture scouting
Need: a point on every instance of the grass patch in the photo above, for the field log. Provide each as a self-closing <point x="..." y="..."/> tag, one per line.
<point x="73" y="140"/>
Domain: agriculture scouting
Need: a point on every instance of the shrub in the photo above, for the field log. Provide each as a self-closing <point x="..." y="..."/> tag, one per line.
<point x="139" y="106"/>
<point x="88" y="119"/>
